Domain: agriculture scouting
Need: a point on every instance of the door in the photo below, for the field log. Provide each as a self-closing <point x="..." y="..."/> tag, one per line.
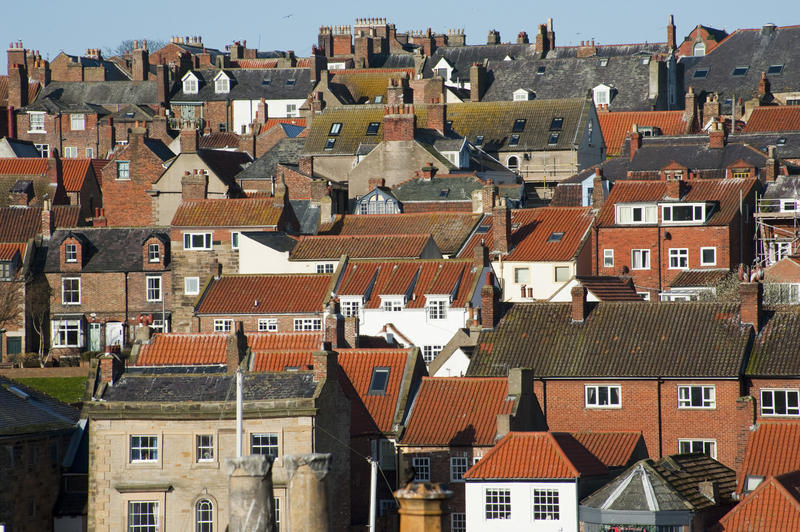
<point x="94" y="336"/>
<point x="114" y="335"/>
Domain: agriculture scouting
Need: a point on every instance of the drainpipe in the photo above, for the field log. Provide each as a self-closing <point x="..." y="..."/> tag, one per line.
<point x="659" y="382"/>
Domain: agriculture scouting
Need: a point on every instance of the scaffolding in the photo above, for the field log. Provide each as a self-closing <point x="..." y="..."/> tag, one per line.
<point x="776" y="230"/>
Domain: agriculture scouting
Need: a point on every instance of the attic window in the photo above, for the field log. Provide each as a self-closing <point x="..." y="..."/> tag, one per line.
<point x="540" y="70"/>
<point x="266" y="82"/>
<point x="603" y="62"/>
<point x="329" y="144"/>
<point x="781" y="141"/>
<point x="379" y="381"/>
<point x="190" y="86"/>
<point x="553" y="139"/>
<point x="700" y="73"/>
<point x="372" y="128"/>
<point x="444" y="192"/>
<point x="290" y="82"/>
<point x="222" y="85"/>
<point x="479" y="140"/>
<point x="775" y="69"/>
<point x="555" y="237"/>
<point x="519" y="125"/>
<point x="556" y="124"/>
<point x="379" y="98"/>
<point x="129" y="115"/>
<point x="336" y="127"/>
<point x="645" y="60"/>
<point x="740" y="71"/>
<point x="514" y="140"/>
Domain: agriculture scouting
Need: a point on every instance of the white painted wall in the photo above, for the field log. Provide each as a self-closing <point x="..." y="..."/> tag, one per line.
<point x="542" y="278"/>
<point x="244" y="111"/>
<point x="414" y="325"/>
<point x="564" y="294"/>
<point x="522" y="507"/>
<point x="456" y="365"/>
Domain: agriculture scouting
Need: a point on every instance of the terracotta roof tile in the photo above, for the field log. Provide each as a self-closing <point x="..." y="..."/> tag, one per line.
<point x="611" y="288"/>
<point x="7" y="251"/>
<point x="19" y="224"/>
<point x="613" y="449"/>
<point x="23" y="166"/>
<point x="272" y="122"/>
<point x="74" y="173"/>
<point x="217" y="140"/>
<point x="265" y="294"/>
<point x="360" y="246"/>
<point x="774" y="505"/>
<point x="242" y="212"/>
<point x="450" y="230"/>
<point x="531" y="230"/>
<point x="457" y="411"/>
<point x="284" y="341"/>
<point x="66" y="216"/>
<point x="257" y="63"/>
<point x="698" y="278"/>
<point x="779" y="118"/>
<point x="771" y="450"/>
<point x="616" y="125"/>
<point x="535" y="455"/>
<point x="175" y="349"/>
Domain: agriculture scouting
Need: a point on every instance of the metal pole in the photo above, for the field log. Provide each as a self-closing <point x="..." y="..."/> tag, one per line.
<point x="373" y="486"/>
<point x="239" y="380"/>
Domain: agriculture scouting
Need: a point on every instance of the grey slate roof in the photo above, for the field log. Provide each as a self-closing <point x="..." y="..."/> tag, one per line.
<point x="756" y="49"/>
<point x="196" y="388"/>
<point x="784" y="186"/>
<point x="440" y="188"/>
<point x="787" y="143"/>
<point x="692" y="152"/>
<point x="78" y="93"/>
<point x="628" y="76"/>
<point x="226" y="164"/>
<point x="105" y="249"/>
<point x="24" y="410"/>
<point x="654" y="341"/>
<point x="461" y="58"/>
<point x="775" y="347"/>
<point x="249" y="84"/>
<point x="307" y="216"/>
<point x="286" y="151"/>
<point x="160" y="149"/>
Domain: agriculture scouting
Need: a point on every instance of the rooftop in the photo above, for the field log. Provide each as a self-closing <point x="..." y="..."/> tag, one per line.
<point x="266" y="294"/>
<point x="229" y="212"/>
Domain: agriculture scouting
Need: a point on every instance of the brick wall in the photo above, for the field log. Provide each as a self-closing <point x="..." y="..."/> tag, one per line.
<point x="250" y="321"/>
<point x="218" y="112"/>
<point x="298" y="186"/>
<point x="268" y="139"/>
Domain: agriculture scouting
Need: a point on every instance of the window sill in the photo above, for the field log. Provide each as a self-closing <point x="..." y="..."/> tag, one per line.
<point x="37" y="131"/>
<point x="603" y="407"/>
<point x="697" y="407"/>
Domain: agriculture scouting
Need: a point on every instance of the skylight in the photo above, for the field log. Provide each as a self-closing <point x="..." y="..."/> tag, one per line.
<point x="329" y="144"/>
<point x="556" y="124"/>
<point x="519" y="125"/>
<point x="290" y="82"/>
<point x="555" y="237"/>
<point x="700" y="73"/>
<point x="379" y="381"/>
<point x="540" y="70"/>
<point x="372" y="128"/>
<point x="444" y="192"/>
<point x="603" y="62"/>
<point x="379" y="98"/>
<point x="553" y="139"/>
<point x="514" y="140"/>
<point x="479" y="140"/>
<point x="775" y="69"/>
<point x="336" y="127"/>
<point x="740" y="71"/>
<point x="266" y="82"/>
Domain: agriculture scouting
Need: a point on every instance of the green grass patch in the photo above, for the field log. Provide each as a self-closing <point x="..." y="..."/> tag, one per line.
<point x="65" y="389"/>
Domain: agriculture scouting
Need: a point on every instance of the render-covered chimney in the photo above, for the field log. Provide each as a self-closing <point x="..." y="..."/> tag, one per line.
<point x="490" y="303"/>
<point x="636" y="140"/>
<point x="750" y="295"/>
<point x="671" y="33"/>
<point x="578" y="303"/>
<point x="477" y="82"/>
<point x="501" y="227"/>
<point x="399" y="122"/>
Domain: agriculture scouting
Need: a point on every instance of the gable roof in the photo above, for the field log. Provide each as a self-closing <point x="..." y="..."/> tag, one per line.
<point x="617" y="125"/>
<point x="283" y="341"/>
<point x="24" y="410"/>
<point x="778" y="118"/>
<point x="228" y="212"/>
<point x="613" y="449"/>
<point x="318" y="247"/>
<point x="453" y="411"/>
<point x="442" y="188"/>
<point x="105" y="249"/>
<point x="610" y="288"/>
<point x="19" y="224"/>
<point x="536" y="455"/>
<point x="67" y="95"/>
<point x="658" y="335"/>
<point x="771" y="450"/>
<point x="266" y="294"/>
<point x="773" y="505"/>
<point x="285" y="151"/>
<point x="774" y="351"/>
<point x="449" y="229"/>
<point x="363" y="85"/>
<point x="74" y="173"/>
<point x="174" y="349"/>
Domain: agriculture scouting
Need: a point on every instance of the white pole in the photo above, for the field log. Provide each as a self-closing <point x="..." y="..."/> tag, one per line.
<point x="239" y="380"/>
<point x="373" y="487"/>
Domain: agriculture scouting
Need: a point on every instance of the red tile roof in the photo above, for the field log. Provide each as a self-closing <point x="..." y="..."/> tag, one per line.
<point x="373" y="413"/>
<point x="536" y="455"/>
<point x="428" y="277"/>
<point x="74" y="173"/>
<point x="613" y="449"/>
<point x="23" y="166"/>
<point x="616" y="125"/>
<point x="19" y="224"/>
<point x="449" y="229"/>
<point x="7" y="251"/>
<point x="360" y="246"/>
<point x="531" y="229"/>
<point x="266" y="294"/>
<point x="174" y="349"/>
<point x="772" y="449"/>
<point x="457" y="411"/>
<point x="310" y="341"/>
<point x="781" y="118"/>
<point x="773" y="505"/>
<point x="243" y="212"/>
<point x="610" y="288"/>
<point x="217" y="140"/>
<point x="66" y="216"/>
<point x="724" y="191"/>
<point x="257" y="63"/>
<point x="272" y="122"/>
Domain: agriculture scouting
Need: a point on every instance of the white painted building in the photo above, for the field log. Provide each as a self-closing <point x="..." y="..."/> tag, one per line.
<point x="545" y="506"/>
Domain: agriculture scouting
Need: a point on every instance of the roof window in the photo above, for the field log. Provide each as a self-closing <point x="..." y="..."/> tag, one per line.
<point x="266" y="82"/>
<point x="336" y="127"/>
<point x="775" y="69"/>
<point x="556" y="124"/>
<point x="372" y="128"/>
<point x="290" y="82"/>
<point x="540" y="70"/>
<point x="479" y="140"/>
<point x="555" y="236"/>
<point x="379" y="381"/>
<point x="700" y="73"/>
<point x="514" y="140"/>
<point x="553" y="139"/>
<point x="379" y="98"/>
<point x="329" y="144"/>
<point x="444" y="192"/>
<point x="740" y="70"/>
<point x="519" y="125"/>
<point x="604" y="62"/>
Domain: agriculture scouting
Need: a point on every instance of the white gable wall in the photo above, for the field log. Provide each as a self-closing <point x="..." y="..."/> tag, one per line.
<point x="521" y="507"/>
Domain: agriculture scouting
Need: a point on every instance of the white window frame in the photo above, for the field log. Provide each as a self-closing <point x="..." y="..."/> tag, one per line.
<point x="556" y="270"/>
<point x="522" y="275"/>
<point x="307" y="324"/>
<point x="190" y="86"/>
<point x="190" y="243"/>
<point x="224" y="325"/>
<point x="325" y="268"/>
<point x="71" y="290"/>
<point x="791" y="411"/>
<point x="627" y="214"/>
<point x="123" y="170"/>
<point x="153" y="252"/>
<point x="458" y="466"/>
<point x="187" y="289"/>
<point x="392" y="304"/>
<point x="699" y="213"/>
<point x="704" y="443"/>
<point x="71" y="252"/>
<point x="496" y="503"/>
<point x="436" y="308"/>
<point x="44" y="150"/>
<point x="790" y="205"/>
<point x="430" y="352"/>
<point x="77" y="122"/>
<point x="222" y="85"/>
<point x="270" y="444"/>
<point x="204" y="448"/>
<point x="597" y="394"/>
<point x="422" y="468"/>
<point x="235" y="239"/>
<point x="608" y="258"/>
<point x="153" y="288"/>
<point x="291" y="110"/>
<point x="89" y="153"/>
<point x="135" y="514"/>
<point x="204" y="515"/>
<point x="350" y="307"/>
<point x="708" y="396"/>
<point x="144" y="450"/>
<point x="546" y="504"/>
<point x="65" y="327"/>
<point x="267" y="324"/>
<point x="640" y="259"/>
<point x="70" y="152"/>
<point x="702" y="259"/>
<point x="36" y="125"/>
<point x="678" y="258"/>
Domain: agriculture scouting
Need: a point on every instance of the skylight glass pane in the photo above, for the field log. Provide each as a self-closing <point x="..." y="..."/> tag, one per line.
<point x="479" y="140"/>
<point x="514" y="140"/>
<point x="519" y="125"/>
<point x="556" y="124"/>
<point x="555" y="237"/>
<point x="372" y="128"/>
<point x="740" y="71"/>
<point x="380" y="378"/>
<point x="553" y="138"/>
<point x="540" y="70"/>
<point x="700" y="73"/>
<point x="329" y="144"/>
<point x="775" y="69"/>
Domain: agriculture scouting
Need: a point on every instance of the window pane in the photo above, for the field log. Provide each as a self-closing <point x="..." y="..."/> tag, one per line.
<point x="614" y="395"/>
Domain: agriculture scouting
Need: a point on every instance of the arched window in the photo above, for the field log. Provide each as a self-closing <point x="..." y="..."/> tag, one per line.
<point x="204" y="516"/>
<point x="699" y="48"/>
<point x="512" y="162"/>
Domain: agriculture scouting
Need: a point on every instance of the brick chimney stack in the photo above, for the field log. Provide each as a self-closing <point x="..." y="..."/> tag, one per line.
<point x="501" y="226"/>
<point x="493" y="38"/>
<point x="636" y="140"/>
<point x="750" y="305"/>
<point x="716" y="136"/>
<point x="578" y="304"/>
<point x="318" y="63"/>
<point x="477" y="82"/>
<point x="428" y="171"/>
<point x="551" y="35"/>
<point x="671" y="33"/>
<point x="522" y="38"/>
<point x="488" y="196"/>
<point x="261" y="113"/>
<point x="763" y="86"/>
<point x="325" y="365"/>
<point x="490" y="302"/>
<point x="194" y="185"/>
<point x="162" y="85"/>
<point x="141" y="61"/>
<point x="17" y="85"/>
<point x="711" y="107"/>
<point x="772" y="165"/>
<point x="598" y="192"/>
<point x="437" y="115"/>
<point x="235" y="348"/>
<point x="690" y="107"/>
<point x="480" y="256"/>
<point x="676" y="189"/>
<point x="399" y="122"/>
<point x="188" y="139"/>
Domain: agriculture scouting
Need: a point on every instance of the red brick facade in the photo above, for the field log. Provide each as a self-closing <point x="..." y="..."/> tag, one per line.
<point x="205" y="324"/>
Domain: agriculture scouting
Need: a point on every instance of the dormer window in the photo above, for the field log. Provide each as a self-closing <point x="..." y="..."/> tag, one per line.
<point x="436" y="307"/>
<point x="392" y="304"/>
<point x="190" y="83"/>
<point x="636" y="214"/>
<point x="699" y="49"/>
<point x="222" y="84"/>
<point x="71" y="252"/>
<point x="6" y="270"/>
<point x="685" y="213"/>
<point x="153" y="253"/>
<point x="602" y="94"/>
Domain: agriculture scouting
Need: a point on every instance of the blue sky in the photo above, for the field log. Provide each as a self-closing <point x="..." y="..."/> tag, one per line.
<point x="57" y="25"/>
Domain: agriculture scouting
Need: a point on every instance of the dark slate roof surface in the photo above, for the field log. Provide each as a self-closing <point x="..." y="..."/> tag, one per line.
<point x="248" y="84"/>
<point x="38" y="412"/>
<point x="76" y="93"/>
<point x="105" y="249"/>
<point x="286" y="151"/>
<point x="776" y="345"/>
<point x="277" y="240"/>
<point x="692" y="152"/>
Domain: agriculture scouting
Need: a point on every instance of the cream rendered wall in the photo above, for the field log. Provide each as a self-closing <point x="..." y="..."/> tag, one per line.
<point x="542" y="278"/>
<point x="169" y="186"/>
<point x="522" y="507"/>
<point x="414" y="324"/>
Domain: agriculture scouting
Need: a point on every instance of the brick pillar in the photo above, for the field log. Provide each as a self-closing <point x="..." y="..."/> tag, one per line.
<point x="578" y="303"/>
<point x="421" y="507"/>
<point x="308" y="475"/>
<point x="750" y="304"/>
